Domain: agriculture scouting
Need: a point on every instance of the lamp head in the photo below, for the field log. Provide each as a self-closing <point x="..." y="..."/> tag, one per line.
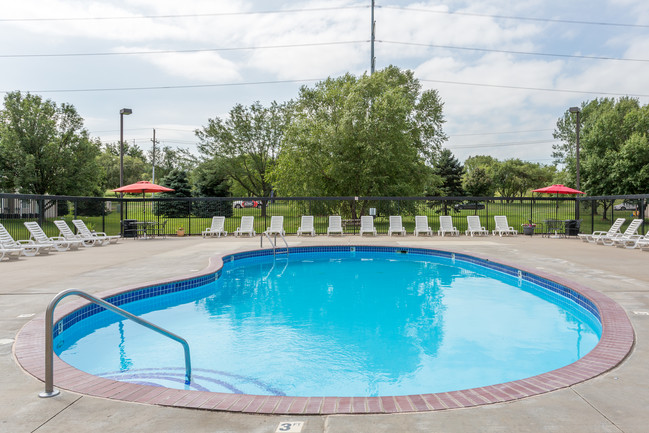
<point x="126" y="111"/>
<point x="574" y="109"/>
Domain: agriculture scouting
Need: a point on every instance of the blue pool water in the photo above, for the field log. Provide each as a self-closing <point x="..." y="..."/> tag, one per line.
<point x="340" y="324"/>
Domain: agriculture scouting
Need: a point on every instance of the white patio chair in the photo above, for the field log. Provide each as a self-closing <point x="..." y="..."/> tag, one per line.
<point x="446" y="226"/>
<point x="247" y="226"/>
<point x="85" y="233"/>
<point x="635" y="241"/>
<point x="612" y="232"/>
<point x="27" y="248"/>
<point x="503" y="227"/>
<point x="630" y="234"/>
<point x="474" y="226"/>
<point x="217" y="228"/>
<point x="306" y="226"/>
<point x="367" y="225"/>
<point x="335" y="225"/>
<point x="276" y="226"/>
<point x="396" y="226"/>
<point x="57" y="242"/>
<point x="68" y="234"/>
<point x="421" y="225"/>
<point x="9" y="252"/>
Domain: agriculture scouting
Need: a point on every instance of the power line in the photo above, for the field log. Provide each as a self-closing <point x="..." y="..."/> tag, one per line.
<point x="506" y="144"/>
<point x="130" y="53"/>
<point x="574" y="56"/>
<point x="539" y="89"/>
<point x="189" y="86"/>
<point x="509" y="17"/>
<point x="500" y="133"/>
<point x="203" y="15"/>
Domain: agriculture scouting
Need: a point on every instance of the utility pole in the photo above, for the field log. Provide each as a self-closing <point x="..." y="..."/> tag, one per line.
<point x="373" y="28"/>
<point x="153" y="157"/>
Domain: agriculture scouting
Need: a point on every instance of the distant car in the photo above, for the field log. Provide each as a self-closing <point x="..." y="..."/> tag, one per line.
<point x="471" y="205"/>
<point x="244" y="203"/>
<point x="625" y="206"/>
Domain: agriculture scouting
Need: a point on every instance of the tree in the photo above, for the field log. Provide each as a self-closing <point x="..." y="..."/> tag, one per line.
<point x="450" y="171"/>
<point x="44" y="148"/>
<point x="249" y="139"/>
<point x="135" y="165"/>
<point x="613" y="142"/>
<point x="477" y="183"/>
<point x="168" y="159"/>
<point x="179" y="181"/>
<point x="211" y="180"/>
<point x="361" y="136"/>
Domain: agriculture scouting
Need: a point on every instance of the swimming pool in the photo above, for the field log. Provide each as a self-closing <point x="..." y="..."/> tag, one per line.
<point x="351" y="323"/>
<point x="272" y="404"/>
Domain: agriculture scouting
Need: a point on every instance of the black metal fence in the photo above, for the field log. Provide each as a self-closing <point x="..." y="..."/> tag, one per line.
<point x="193" y="215"/>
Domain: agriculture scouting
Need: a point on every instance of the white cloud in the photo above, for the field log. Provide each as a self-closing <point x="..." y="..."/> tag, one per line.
<point x="468" y="108"/>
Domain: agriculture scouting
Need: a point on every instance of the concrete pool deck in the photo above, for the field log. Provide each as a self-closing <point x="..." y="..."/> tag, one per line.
<point x="613" y="402"/>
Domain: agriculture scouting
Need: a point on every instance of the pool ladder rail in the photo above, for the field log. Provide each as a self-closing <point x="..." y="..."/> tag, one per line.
<point x="49" y="337"/>
<point x="273" y="244"/>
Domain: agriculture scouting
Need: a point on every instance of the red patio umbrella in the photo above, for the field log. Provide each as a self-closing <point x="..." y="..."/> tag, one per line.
<point x="142" y="187"/>
<point x="557" y="189"/>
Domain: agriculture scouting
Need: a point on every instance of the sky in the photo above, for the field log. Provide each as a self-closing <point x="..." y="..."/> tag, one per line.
<point x="506" y="71"/>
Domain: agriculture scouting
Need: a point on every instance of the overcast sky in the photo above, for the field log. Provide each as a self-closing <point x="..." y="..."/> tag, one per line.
<point x="506" y="70"/>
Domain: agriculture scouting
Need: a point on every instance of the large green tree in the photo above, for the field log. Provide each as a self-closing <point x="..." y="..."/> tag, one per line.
<point x="44" y="148"/>
<point x="614" y="146"/>
<point x="249" y="139"/>
<point x="374" y="135"/>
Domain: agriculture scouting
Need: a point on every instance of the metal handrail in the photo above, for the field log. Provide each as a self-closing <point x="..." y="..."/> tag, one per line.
<point x="261" y="241"/>
<point x="49" y="337"/>
<point x="285" y="243"/>
<point x="273" y="244"/>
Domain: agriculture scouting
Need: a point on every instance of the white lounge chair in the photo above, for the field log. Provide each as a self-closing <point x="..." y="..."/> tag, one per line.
<point x="10" y="252"/>
<point x="474" y="226"/>
<point x="421" y="225"/>
<point x="306" y="226"/>
<point x="612" y="232"/>
<point x="503" y="227"/>
<point x="446" y="226"/>
<point x="635" y="241"/>
<point x="68" y="234"/>
<point x="630" y="233"/>
<point x="28" y="247"/>
<point x="367" y="225"/>
<point x="276" y="226"/>
<point x="396" y="226"/>
<point x="247" y="226"/>
<point x="335" y="225"/>
<point x="217" y="228"/>
<point x="57" y="242"/>
<point x="85" y="233"/>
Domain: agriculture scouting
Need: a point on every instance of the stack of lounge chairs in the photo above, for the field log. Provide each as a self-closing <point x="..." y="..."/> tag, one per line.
<point x="41" y="243"/>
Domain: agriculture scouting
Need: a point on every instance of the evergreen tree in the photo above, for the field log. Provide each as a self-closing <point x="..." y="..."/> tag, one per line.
<point x="179" y="181"/>
<point x="211" y="180"/>
<point x="449" y="169"/>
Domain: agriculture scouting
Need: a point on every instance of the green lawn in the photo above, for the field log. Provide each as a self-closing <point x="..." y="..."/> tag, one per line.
<point x="517" y="214"/>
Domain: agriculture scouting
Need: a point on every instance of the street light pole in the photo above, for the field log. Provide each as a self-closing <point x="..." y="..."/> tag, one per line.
<point x="577" y="111"/>
<point x="122" y="112"/>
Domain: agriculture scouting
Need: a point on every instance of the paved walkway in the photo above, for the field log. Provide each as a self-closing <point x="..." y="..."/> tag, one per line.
<point x="613" y="402"/>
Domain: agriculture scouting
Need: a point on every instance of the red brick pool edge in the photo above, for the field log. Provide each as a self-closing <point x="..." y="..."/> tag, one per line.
<point x="615" y="344"/>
